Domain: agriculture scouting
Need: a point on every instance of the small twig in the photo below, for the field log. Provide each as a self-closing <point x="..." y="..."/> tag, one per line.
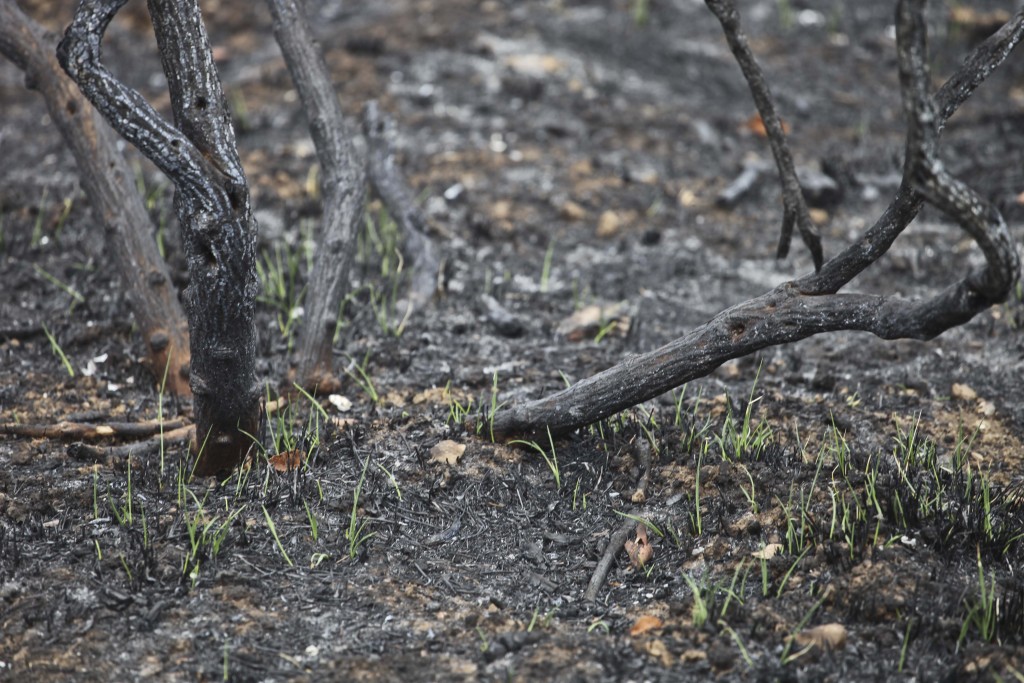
<point x="111" y="454"/>
<point x="615" y="544"/>
<point x="88" y="432"/>
<point x="741" y="185"/>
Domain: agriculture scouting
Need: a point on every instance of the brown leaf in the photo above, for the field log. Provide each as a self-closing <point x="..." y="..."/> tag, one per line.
<point x="287" y="461"/>
<point x="342" y="423"/>
<point x="447" y="452"/>
<point x="647" y="622"/>
<point x="640" y="551"/>
<point x="756" y="126"/>
<point x="588" y="322"/>
<point x="824" y="637"/>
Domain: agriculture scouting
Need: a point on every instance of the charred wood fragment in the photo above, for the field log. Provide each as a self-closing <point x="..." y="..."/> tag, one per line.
<point x="199" y="154"/>
<point x="107" y="181"/>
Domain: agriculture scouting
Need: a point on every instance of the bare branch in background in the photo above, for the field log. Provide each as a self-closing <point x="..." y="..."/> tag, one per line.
<point x="794" y="208"/>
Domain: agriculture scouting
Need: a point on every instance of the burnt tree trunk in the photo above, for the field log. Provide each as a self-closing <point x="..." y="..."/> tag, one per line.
<point x="199" y="154"/>
<point x="107" y="181"/>
<point x="343" y="184"/>
<point x="812" y="305"/>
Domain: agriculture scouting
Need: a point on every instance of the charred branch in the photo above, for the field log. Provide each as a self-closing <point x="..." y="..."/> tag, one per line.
<point x="85" y="431"/>
<point x="343" y="183"/>
<point x="811" y="305"/>
<point x="198" y="153"/>
<point x="794" y="208"/>
<point x="106" y="179"/>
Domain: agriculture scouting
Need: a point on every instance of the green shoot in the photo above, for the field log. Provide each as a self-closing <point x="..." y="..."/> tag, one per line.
<point x="314" y="527"/>
<point x="545" y="272"/>
<point x="739" y="643"/>
<point x="651" y="526"/>
<point x="277" y="539"/>
<point x="356" y="533"/>
<point x="550" y="460"/>
<point x="699" y="612"/>
<point x="37" y="227"/>
<point x="58" y="351"/>
<point x="76" y="296"/>
<point x="983" y="612"/>
<point x="362" y="378"/>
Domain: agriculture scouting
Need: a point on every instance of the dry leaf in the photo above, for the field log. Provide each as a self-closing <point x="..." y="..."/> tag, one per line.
<point x="756" y="126"/>
<point x="277" y="404"/>
<point x="767" y="552"/>
<point x="640" y="551"/>
<point x="824" y="637"/>
<point x="572" y="211"/>
<point x="647" y="622"/>
<point x="447" y="452"/>
<point x="536" y="65"/>
<point x="589" y="321"/>
<point x="818" y="216"/>
<point x="608" y="224"/>
<point x="287" y="461"/>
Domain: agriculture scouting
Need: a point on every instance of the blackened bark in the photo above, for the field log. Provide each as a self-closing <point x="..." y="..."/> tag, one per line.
<point x="343" y="184"/>
<point x="809" y="306"/>
<point x="794" y="208"/>
<point x="198" y="153"/>
<point x="107" y="181"/>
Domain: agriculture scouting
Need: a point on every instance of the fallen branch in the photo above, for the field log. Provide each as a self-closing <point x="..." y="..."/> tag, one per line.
<point x="811" y="305"/>
<point x="112" y="454"/>
<point x="90" y="432"/>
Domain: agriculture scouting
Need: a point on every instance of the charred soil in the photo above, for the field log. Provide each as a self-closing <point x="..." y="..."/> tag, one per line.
<point x="839" y="509"/>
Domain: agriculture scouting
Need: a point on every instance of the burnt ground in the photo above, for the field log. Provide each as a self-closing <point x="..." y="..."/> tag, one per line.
<point x="568" y="155"/>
